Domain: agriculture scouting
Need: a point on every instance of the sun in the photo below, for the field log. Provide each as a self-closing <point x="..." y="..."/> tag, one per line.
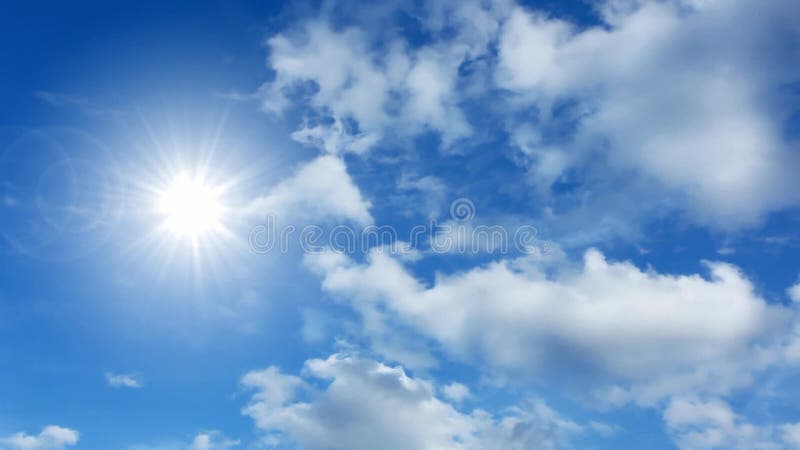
<point x="191" y="207"/>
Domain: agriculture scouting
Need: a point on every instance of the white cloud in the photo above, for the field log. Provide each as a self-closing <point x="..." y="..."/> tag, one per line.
<point x="367" y="405"/>
<point x="212" y="440"/>
<point x="711" y="425"/>
<point x="321" y="189"/>
<point x="122" y="380"/>
<point x="673" y="95"/>
<point x="357" y="89"/>
<point x="206" y="440"/>
<point x="334" y="138"/>
<point x="432" y="100"/>
<point x="397" y="90"/>
<point x="52" y="437"/>
<point x="456" y="392"/>
<point x="547" y="162"/>
<point x="634" y="335"/>
<point x="677" y="97"/>
<point x="794" y="293"/>
<point x="427" y="193"/>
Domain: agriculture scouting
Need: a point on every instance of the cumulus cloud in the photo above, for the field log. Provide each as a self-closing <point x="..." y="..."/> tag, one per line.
<point x="365" y="404"/>
<point x="400" y="90"/>
<point x="206" y="440"/>
<point x="212" y="440"/>
<point x="122" y="380"/>
<point x="794" y="293"/>
<point x="455" y="392"/>
<point x="52" y="437"/>
<point x="321" y="189"/>
<point x="634" y="335"/>
<point x="712" y="425"/>
<point x="356" y="89"/>
<point x="675" y="97"/>
<point x="680" y="97"/>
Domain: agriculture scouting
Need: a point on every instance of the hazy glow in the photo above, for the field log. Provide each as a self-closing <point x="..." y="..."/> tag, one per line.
<point x="187" y="193"/>
<point x="191" y="207"/>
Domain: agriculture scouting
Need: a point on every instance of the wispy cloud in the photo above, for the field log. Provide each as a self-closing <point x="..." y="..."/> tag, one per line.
<point x="123" y="380"/>
<point x="80" y="102"/>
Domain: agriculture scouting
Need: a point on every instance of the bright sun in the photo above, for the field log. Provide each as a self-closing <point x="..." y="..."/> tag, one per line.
<point x="191" y="208"/>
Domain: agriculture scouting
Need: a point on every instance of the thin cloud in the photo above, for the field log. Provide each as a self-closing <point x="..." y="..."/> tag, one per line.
<point x="123" y="380"/>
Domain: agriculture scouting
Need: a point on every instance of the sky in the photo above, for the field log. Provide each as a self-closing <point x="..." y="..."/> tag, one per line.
<point x="433" y="225"/>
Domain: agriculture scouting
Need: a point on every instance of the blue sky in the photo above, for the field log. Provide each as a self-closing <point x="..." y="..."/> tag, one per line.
<point x="585" y="218"/>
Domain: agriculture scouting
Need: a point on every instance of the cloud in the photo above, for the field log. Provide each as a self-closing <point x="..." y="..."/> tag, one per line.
<point x="212" y="440"/>
<point x="356" y="89"/>
<point x="122" y="380"/>
<point x="456" y="392"/>
<point x="81" y="103"/>
<point x="675" y="98"/>
<point x="633" y="335"/>
<point x="334" y="138"/>
<point x="206" y="440"/>
<point x="52" y="437"/>
<point x="365" y="404"/>
<point x="398" y="90"/>
<point x="320" y="190"/>
<point x="664" y="106"/>
<point x="711" y="425"/>
<point x="794" y="293"/>
<point x="427" y="192"/>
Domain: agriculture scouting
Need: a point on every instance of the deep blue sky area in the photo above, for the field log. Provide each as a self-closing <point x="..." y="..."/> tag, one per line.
<point x="143" y="145"/>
